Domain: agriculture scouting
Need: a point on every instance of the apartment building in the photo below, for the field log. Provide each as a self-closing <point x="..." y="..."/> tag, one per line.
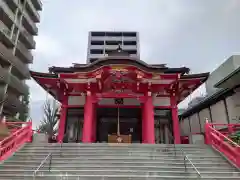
<point x="100" y="43"/>
<point x="18" y="20"/>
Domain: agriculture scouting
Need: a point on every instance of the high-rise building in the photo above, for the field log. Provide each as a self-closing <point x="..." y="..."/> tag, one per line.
<point x="100" y="43"/>
<point x="18" y="20"/>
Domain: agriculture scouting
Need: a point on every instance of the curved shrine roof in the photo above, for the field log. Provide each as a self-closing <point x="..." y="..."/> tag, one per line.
<point x="53" y="78"/>
<point x="118" y="60"/>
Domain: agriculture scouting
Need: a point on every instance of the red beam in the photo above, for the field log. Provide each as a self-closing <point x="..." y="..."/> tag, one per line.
<point x="190" y="81"/>
<point x="114" y="105"/>
<point x="170" y="76"/>
<point x="117" y="95"/>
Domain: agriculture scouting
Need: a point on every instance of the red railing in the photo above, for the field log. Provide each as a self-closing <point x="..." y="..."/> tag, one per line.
<point x="21" y="132"/>
<point x="221" y="142"/>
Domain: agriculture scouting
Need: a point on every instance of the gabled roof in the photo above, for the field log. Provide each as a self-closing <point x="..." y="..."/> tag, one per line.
<point x="118" y="60"/>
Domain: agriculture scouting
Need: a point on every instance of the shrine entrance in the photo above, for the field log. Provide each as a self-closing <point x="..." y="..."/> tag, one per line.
<point x="119" y="125"/>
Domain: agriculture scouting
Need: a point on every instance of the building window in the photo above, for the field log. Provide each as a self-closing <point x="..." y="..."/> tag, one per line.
<point x="97" y="33"/>
<point x="113" y="42"/>
<point x="97" y="42"/>
<point x="96" y="51"/>
<point x="130" y="43"/>
<point x="130" y="34"/>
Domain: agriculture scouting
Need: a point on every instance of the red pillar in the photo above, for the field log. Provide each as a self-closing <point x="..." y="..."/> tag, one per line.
<point x="88" y="119"/>
<point x="63" y="118"/>
<point x="94" y="124"/>
<point x="143" y="125"/>
<point x="148" y="130"/>
<point x="175" y="120"/>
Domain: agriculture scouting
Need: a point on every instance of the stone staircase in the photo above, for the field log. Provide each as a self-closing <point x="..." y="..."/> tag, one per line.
<point x="75" y="161"/>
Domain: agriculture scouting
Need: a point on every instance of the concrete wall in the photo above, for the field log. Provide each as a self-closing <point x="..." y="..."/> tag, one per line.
<point x="194" y="123"/>
<point x="233" y="107"/>
<point x="203" y="115"/>
<point x="219" y="113"/>
<point x="222" y="71"/>
<point x="185" y="127"/>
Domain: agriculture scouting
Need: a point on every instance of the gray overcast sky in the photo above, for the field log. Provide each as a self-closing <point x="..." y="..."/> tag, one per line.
<point x="199" y="34"/>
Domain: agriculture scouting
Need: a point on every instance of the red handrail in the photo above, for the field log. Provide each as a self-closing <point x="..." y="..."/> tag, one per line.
<point x="222" y="143"/>
<point x="13" y="142"/>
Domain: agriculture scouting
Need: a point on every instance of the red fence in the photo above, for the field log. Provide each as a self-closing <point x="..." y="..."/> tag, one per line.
<point x="21" y="132"/>
<point x="221" y="142"/>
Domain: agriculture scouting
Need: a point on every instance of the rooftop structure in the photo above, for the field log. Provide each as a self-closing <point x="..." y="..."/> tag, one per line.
<point x="100" y="43"/>
<point x="17" y="27"/>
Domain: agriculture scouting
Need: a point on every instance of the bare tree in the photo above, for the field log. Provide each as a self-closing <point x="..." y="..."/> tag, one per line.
<point x="50" y="118"/>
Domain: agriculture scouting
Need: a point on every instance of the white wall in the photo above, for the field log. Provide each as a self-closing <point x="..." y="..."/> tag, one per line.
<point x="157" y="101"/>
<point x="126" y="101"/>
<point x="161" y="101"/>
<point x="233" y="107"/>
<point x="219" y="113"/>
<point x="203" y="114"/>
<point x="185" y="128"/>
<point x="194" y="123"/>
<point x="76" y="100"/>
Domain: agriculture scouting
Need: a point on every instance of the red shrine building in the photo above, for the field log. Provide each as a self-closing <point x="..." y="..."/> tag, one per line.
<point x="119" y="99"/>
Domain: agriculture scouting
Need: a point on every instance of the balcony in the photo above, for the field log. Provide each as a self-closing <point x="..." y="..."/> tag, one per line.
<point x="14" y="82"/>
<point x="32" y="11"/>
<point x="13" y="104"/>
<point x="114" y="47"/>
<point x="114" y="38"/>
<point x="18" y="85"/>
<point x="6" y="55"/>
<point x="129" y="38"/>
<point x="5" y="34"/>
<point x="7" y="14"/>
<point x="107" y="38"/>
<point x="37" y="4"/>
<point x="4" y="75"/>
<point x="27" y="39"/>
<point x="12" y="4"/>
<point x="2" y="92"/>
<point x="28" y="24"/>
<point x="23" y="53"/>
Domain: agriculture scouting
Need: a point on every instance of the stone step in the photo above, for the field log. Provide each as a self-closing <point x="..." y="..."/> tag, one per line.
<point x="160" y="155"/>
<point x="79" y="158"/>
<point x="115" y="145"/>
<point x="116" y="148"/>
<point x="112" y="145"/>
<point x="116" y="152"/>
<point x="114" y="177"/>
<point x="107" y="172"/>
<point x="75" y="156"/>
<point x="129" y="162"/>
<point x="102" y="159"/>
<point x="109" y="147"/>
<point x="11" y="167"/>
<point x="97" y="157"/>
